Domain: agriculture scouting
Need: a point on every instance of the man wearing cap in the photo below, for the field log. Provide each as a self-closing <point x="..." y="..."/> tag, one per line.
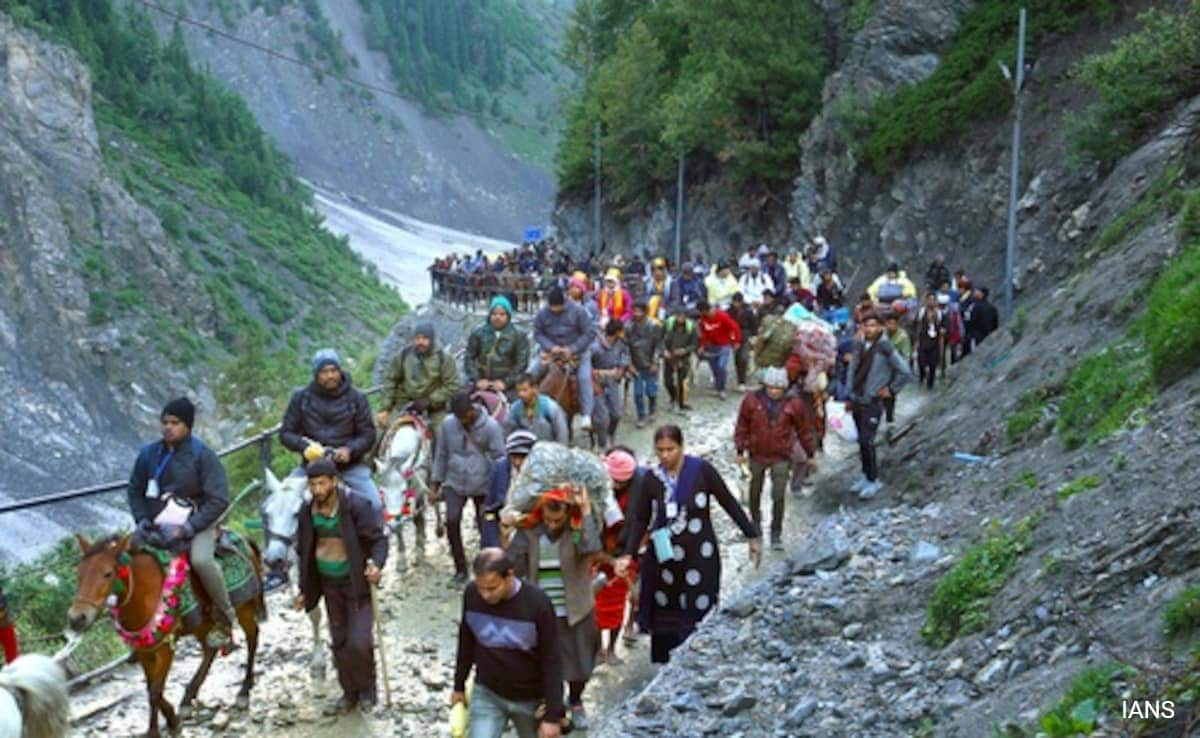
<point x="753" y="283"/>
<point x="331" y="417"/>
<point x="721" y="285"/>
<point x="421" y="377"/>
<point x="497" y="353"/>
<point x="563" y="328"/>
<point x="687" y="290"/>
<point x="342" y="548"/>
<point x="495" y="532"/>
<point x="769" y="424"/>
<point x="177" y="493"/>
<point x="470" y="441"/>
<point x="876" y="372"/>
<point x="539" y="414"/>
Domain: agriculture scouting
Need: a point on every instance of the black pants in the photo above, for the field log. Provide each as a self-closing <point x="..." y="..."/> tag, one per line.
<point x="927" y="365"/>
<point x="350" y="630"/>
<point x="675" y="377"/>
<point x="866" y="421"/>
<point x="741" y="359"/>
<point x="889" y="408"/>
<point x="455" y="502"/>
<point x="663" y="642"/>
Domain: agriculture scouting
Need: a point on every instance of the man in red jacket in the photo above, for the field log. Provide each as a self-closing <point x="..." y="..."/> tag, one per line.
<point x="720" y="336"/>
<point x="768" y="425"/>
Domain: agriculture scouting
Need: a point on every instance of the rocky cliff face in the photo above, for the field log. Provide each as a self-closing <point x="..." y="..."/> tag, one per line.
<point x="74" y="390"/>
<point x="380" y="149"/>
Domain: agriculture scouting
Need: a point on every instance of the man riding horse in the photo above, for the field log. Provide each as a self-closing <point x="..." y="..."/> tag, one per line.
<point x="563" y="330"/>
<point x="497" y="353"/>
<point x="422" y="378"/>
<point x="177" y="492"/>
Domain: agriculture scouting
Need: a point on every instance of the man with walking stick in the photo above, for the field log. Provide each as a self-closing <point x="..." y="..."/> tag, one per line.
<point x="342" y="548"/>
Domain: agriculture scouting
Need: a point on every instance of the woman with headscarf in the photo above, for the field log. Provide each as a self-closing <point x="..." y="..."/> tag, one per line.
<point x="681" y="569"/>
<point x="627" y="479"/>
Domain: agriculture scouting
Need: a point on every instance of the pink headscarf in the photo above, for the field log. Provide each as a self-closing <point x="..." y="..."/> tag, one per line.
<point x="577" y="282"/>
<point x="620" y="466"/>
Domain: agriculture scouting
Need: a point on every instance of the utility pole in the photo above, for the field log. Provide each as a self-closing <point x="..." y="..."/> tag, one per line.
<point x="596" y="239"/>
<point x="679" y="209"/>
<point x="1018" y="81"/>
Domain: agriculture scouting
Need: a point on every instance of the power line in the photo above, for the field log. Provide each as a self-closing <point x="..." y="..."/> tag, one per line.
<point x="208" y="27"/>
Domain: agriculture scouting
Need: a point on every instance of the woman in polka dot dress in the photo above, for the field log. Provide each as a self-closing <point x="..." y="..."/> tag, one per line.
<point x="681" y="569"/>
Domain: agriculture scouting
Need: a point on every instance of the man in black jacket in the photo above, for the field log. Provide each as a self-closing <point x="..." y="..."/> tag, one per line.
<point x="331" y="417"/>
<point x="509" y="633"/>
<point x="177" y="492"/>
<point x="981" y="319"/>
<point x="342" y="549"/>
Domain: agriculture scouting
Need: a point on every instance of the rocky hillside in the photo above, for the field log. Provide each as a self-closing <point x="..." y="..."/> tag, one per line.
<point x="1032" y="592"/>
<point x="148" y="256"/>
<point x="472" y="162"/>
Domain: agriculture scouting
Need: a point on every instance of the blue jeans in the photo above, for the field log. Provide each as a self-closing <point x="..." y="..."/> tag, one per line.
<point x="645" y="384"/>
<point x="357" y="478"/>
<point x="489" y="713"/>
<point x="718" y="361"/>
<point x="587" y="402"/>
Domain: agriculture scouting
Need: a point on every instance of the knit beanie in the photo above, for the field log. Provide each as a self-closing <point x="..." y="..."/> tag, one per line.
<point x="775" y="376"/>
<point x="520" y="442"/>
<point x="620" y="466"/>
<point x="425" y="328"/>
<point x="181" y="408"/>
<point x="502" y="302"/>
<point x="325" y="357"/>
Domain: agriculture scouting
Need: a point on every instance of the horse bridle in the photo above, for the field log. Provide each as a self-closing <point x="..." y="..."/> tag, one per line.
<point x="99" y="604"/>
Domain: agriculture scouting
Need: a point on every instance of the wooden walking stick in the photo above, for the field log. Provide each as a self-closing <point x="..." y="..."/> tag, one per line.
<point x="387" y="682"/>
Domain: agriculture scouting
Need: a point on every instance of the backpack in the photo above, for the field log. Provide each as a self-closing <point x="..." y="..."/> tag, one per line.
<point x="890" y="291"/>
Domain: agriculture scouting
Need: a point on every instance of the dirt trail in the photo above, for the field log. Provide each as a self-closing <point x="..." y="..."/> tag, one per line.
<point x="420" y="611"/>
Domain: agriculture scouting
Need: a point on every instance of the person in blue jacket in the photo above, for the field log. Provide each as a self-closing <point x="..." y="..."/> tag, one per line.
<point x="517" y="447"/>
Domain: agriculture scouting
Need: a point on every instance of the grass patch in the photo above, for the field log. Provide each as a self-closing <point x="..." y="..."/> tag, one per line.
<point x="1077" y="485"/>
<point x="1020" y="321"/>
<point x="1092" y="693"/>
<point x="1103" y="393"/>
<point x="1171" y="331"/>
<point x="860" y="12"/>
<point x="1030" y="412"/>
<point x="1163" y="195"/>
<point x="962" y="598"/>
<point x="1182" y="616"/>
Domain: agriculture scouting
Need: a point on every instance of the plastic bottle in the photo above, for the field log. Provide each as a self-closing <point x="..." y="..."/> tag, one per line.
<point x="458" y="721"/>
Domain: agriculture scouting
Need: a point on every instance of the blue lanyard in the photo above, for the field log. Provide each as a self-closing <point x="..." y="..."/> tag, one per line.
<point x="162" y="465"/>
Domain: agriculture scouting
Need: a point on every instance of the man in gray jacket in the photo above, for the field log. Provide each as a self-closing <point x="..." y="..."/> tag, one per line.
<point x="536" y="413"/>
<point x="563" y="328"/>
<point x="876" y="372"/>
<point x="644" y="336"/>
<point x="470" y="441"/>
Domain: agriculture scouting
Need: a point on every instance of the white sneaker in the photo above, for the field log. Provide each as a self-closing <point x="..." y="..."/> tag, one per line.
<point x="585" y="422"/>
<point x="859" y="484"/>
<point x="870" y="490"/>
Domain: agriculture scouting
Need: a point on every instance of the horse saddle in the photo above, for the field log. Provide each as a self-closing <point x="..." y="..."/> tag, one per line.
<point x="234" y="555"/>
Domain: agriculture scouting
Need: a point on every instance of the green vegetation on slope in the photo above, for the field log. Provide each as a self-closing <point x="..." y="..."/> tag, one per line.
<point x="732" y="84"/>
<point x="967" y="85"/>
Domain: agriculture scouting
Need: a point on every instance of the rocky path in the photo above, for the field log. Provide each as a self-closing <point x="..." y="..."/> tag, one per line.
<point x="420" y="611"/>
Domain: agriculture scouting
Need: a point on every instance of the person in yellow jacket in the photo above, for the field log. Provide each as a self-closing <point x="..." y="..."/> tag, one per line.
<point x="721" y="285"/>
<point x="892" y="285"/>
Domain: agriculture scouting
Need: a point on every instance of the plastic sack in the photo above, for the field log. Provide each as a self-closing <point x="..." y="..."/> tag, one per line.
<point x="458" y="721"/>
<point x="840" y="421"/>
<point x="551" y="465"/>
<point x="797" y="314"/>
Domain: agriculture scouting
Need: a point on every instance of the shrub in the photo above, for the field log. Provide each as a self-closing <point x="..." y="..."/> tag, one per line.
<point x="1162" y="195"/>
<point x="962" y="598"/>
<point x="1182" y="616"/>
<point x="1091" y="693"/>
<point x="1103" y="392"/>
<point x="1144" y="75"/>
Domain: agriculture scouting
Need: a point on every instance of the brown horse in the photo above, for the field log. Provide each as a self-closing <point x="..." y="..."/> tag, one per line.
<point x="559" y="385"/>
<point x="98" y="572"/>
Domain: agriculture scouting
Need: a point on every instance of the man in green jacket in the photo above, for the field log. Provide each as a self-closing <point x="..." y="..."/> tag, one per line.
<point x="497" y="353"/>
<point x="423" y="376"/>
<point x="680" y="341"/>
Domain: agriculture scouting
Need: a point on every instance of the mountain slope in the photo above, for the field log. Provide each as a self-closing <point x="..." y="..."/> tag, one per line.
<point x="393" y="152"/>
<point x="155" y="244"/>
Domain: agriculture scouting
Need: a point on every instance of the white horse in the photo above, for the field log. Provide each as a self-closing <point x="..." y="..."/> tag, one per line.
<point x="280" y="513"/>
<point x="33" y="698"/>
<point x="404" y="467"/>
